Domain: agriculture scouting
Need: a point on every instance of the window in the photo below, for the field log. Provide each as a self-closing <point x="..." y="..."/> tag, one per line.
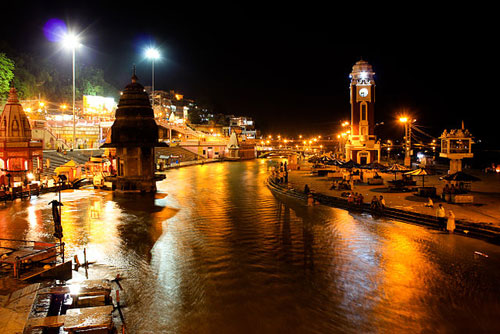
<point x="363" y="111"/>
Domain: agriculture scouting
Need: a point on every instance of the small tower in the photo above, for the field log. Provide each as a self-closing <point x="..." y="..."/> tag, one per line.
<point x="134" y="136"/>
<point x="233" y="146"/>
<point x="17" y="149"/>
<point x="456" y="145"/>
<point x="362" y="146"/>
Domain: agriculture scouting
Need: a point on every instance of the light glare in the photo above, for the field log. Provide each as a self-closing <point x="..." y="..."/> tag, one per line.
<point x="71" y="41"/>
<point x="152" y="53"/>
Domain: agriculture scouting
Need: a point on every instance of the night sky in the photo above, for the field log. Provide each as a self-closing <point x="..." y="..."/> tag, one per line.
<point x="288" y="69"/>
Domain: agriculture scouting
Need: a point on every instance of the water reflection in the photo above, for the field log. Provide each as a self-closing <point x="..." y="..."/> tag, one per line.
<point x="216" y="252"/>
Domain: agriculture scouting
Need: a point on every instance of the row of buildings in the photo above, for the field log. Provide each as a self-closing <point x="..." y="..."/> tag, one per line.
<point x="23" y="140"/>
<point x="55" y="127"/>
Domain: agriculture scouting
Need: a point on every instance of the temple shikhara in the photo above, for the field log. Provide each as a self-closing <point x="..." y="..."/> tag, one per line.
<point x="134" y="136"/>
<point x="20" y="156"/>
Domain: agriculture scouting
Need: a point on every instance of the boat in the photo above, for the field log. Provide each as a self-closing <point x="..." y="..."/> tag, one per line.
<point x="37" y="291"/>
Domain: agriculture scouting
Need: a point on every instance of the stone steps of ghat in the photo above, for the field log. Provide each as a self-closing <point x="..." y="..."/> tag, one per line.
<point x="58" y="159"/>
<point x="178" y="151"/>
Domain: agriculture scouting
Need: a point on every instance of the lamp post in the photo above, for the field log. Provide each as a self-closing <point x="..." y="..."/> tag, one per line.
<point x="71" y="41"/>
<point x="407" y="140"/>
<point x="152" y="54"/>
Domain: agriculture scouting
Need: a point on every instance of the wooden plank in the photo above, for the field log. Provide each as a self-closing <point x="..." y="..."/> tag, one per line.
<point x="90" y="301"/>
<point x="55" y="290"/>
<point x="11" y="258"/>
<point x="46" y="322"/>
<point x="5" y="251"/>
<point x="60" y="271"/>
<point x="85" y="288"/>
<point x="78" y="319"/>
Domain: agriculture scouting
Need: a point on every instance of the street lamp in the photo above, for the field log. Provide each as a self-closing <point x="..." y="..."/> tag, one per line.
<point x="153" y="54"/>
<point x="406" y="122"/>
<point x="71" y="41"/>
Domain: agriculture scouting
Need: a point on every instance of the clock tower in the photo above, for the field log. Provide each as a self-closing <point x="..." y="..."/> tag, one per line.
<point x="362" y="146"/>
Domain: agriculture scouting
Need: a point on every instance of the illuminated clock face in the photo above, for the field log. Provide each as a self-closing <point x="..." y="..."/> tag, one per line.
<point x="363" y="92"/>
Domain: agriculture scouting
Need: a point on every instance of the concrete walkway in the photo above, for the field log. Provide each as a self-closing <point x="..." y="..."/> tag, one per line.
<point x="485" y="210"/>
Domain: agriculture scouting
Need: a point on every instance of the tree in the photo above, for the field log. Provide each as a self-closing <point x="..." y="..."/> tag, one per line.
<point x="221" y="119"/>
<point x="194" y="116"/>
<point x="6" y="74"/>
<point x="91" y="82"/>
<point x="35" y="76"/>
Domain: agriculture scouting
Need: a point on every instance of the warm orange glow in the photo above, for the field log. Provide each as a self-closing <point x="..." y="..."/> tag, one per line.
<point x="179" y="97"/>
<point x="403" y="119"/>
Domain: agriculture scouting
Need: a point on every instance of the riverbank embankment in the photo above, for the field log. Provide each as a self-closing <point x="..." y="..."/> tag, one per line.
<point x="480" y="219"/>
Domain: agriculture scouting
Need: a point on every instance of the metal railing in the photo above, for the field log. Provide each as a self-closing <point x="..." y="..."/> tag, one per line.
<point x="42" y="252"/>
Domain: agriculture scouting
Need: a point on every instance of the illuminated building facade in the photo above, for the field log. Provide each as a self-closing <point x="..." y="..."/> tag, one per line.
<point x="362" y="146"/>
<point x="17" y="149"/>
<point x="456" y="145"/>
<point x="171" y="103"/>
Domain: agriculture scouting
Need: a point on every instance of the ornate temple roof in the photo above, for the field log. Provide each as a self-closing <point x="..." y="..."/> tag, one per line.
<point x="134" y="119"/>
<point x="14" y="125"/>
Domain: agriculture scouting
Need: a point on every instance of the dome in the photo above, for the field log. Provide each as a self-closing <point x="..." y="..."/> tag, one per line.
<point x="14" y="125"/>
<point x="362" y="70"/>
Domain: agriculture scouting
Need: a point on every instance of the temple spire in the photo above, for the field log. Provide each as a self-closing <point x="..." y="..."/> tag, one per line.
<point x="134" y="76"/>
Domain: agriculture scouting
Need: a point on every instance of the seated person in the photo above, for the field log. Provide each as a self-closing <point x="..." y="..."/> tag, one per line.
<point x="430" y="203"/>
<point x="360" y="199"/>
<point x="350" y="198"/>
<point x="375" y="204"/>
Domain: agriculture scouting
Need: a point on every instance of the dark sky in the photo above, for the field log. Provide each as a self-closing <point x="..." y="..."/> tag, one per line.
<point x="288" y="69"/>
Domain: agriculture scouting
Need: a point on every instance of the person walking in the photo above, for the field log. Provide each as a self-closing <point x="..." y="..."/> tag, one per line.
<point x="450" y="225"/>
<point x="441" y="217"/>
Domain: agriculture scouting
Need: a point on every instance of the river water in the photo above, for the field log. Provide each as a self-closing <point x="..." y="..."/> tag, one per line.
<point x="214" y="251"/>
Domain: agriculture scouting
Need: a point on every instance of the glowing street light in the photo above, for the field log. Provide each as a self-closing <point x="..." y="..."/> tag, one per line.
<point x="153" y="54"/>
<point x="72" y="41"/>
<point x="405" y="120"/>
